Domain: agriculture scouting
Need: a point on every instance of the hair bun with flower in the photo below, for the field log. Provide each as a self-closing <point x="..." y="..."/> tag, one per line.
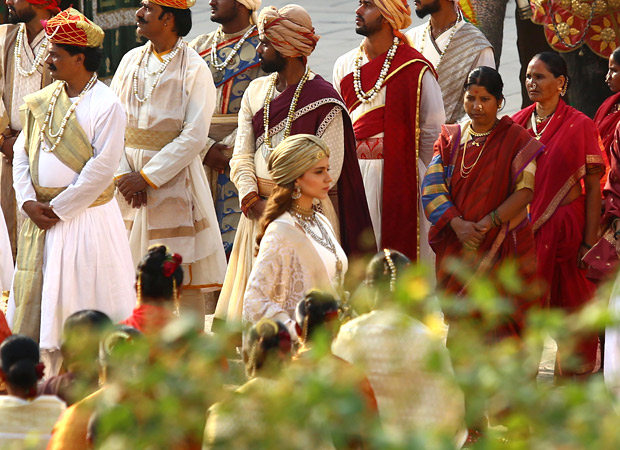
<point x="171" y="263"/>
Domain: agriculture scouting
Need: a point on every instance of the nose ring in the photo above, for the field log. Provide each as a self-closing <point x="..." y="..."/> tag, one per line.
<point x="533" y="85"/>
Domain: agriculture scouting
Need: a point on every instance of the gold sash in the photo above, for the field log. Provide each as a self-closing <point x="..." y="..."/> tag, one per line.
<point x="28" y="279"/>
<point x="148" y="139"/>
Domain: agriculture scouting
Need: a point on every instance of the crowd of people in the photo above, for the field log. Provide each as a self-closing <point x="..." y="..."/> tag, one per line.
<point x="242" y="184"/>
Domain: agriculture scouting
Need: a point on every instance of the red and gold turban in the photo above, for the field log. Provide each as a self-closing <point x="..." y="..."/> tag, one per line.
<point x="396" y="12"/>
<point x="289" y="30"/>
<point x="52" y="5"/>
<point x="177" y="4"/>
<point x="70" y="27"/>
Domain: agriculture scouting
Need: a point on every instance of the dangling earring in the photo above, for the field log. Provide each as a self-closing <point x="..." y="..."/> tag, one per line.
<point x="296" y="193"/>
<point x="564" y="89"/>
<point x="139" y="289"/>
<point x="175" y="296"/>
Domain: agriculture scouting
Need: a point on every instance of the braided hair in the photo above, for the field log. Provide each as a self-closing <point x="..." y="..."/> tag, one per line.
<point x="268" y="341"/>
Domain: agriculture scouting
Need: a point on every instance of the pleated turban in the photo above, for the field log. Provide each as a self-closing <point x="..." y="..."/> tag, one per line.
<point x="177" y="4"/>
<point x="52" y="5"/>
<point x="253" y="6"/>
<point x="289" y="30"/>
<point x="70" y="27"/>
<point x="293" y="156"/>
<point x="396" y="12"/>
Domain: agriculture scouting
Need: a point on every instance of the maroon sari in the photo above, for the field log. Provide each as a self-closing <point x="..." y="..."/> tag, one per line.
<point x="507" y="151"/>
<point x="606" y="119"/>
<point x="571" y="142"/>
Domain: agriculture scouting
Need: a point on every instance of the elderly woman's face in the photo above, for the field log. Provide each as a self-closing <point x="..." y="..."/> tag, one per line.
<point x="316" y="181"/>
<point x="540" y="83"/>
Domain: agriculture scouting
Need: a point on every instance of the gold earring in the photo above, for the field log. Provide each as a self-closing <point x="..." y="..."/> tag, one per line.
<point x="296" y="193"/>
<point x="139" y="289"/>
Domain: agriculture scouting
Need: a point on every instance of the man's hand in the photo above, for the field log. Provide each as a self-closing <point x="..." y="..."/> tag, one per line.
<point x="7" y="148"/>
<point x="41" y="214"/>
<point x="216" y="158"/>
<point x="133" y="187"/>
<point x="258" y="209"/>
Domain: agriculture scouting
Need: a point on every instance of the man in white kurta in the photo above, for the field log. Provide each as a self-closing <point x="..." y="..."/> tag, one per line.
<point x="76" y="240"/>
<point x="23" y="48"/>
<point x="454" y="47"/>
<point x="249" y="161"/>
<point x="169" y="97"/>
<point x="370" y="150"/>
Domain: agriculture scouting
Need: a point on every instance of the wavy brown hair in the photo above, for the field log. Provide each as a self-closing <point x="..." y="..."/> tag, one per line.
<point x="278" y="203"/>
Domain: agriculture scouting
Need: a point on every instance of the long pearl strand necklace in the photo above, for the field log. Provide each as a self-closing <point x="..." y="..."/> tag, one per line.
<point x="428" y="32"/>
<point x="219" y="34"/>
<point x="17" y="52"/>
<point x="291" y="110"/>
<point x="49" y="116"/>
<point x="307" y="219"/>
<point x="157" y="73"/>
<point x="367" y="97"/>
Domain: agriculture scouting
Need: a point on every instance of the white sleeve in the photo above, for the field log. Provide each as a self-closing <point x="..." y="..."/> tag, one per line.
<point x="22" y="183"/>
<point x="98" y="172"/>
<point x="242" y="169"/>
<point x="432" y="116"/>
<point x="486" y="58"/>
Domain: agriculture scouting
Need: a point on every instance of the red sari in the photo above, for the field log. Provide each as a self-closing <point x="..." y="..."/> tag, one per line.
<point x="571" y="141"/>
<point x="148" y="318"/>
<point x="606" y="119"/>
<point x="507" y="151"/>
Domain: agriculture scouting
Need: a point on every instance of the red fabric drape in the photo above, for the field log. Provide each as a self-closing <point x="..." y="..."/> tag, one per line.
<point x="606" y="120"/>
<point x="148" y="319"/>
<point x="400" y="122"/>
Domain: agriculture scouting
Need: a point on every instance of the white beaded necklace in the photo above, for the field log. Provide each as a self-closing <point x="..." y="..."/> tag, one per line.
<point x="291" y="110"/>
<point x="49" y="116"/>
<point x="17" y="52"/>
<point x="367" y="97"/>
<point x="157" y="73"/>
<point x="219" y="34"/>
<point x="428" y="31"/>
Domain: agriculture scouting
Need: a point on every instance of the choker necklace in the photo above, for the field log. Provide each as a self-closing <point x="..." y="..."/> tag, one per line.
<point x="302" y="213"/>
<point x="219" y="34"/>
<point x="157" y="73"/>
<point x="291" y="110"/>
<point x="367" y="97"/>
<point x="17" y="52"/>
<point x="49" y="116"/>
<point x="540" y="119"/>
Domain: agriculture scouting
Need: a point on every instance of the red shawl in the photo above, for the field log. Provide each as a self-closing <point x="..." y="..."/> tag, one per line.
<point x="148" y="319"/>
<point x="571" y="141"/>
<point x="606" y="120"/>
<point x="319" y="98"/>
<point x="399" y="122"/>
<point x="5" y="331"/>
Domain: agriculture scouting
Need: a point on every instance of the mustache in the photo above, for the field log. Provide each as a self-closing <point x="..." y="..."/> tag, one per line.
<point x="141" y="20"/>
<point x="359" y="18"/>
<point x="51" y="66"/>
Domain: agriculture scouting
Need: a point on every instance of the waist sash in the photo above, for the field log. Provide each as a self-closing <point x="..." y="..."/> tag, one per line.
<point x="148" y="139"/>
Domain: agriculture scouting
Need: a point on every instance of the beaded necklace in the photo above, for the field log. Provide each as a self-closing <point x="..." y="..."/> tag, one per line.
<point x="533" y="123"/>
<point x="49" y="116"/>
<point x="367" y="97"/>
<point x="428" y="31"/>
<point x="307" y="222"/>
<point x="219" y="34"/>
<point x="157" y="73"/>
<point x="17" y="52"/>
<point x="291" y="110"/>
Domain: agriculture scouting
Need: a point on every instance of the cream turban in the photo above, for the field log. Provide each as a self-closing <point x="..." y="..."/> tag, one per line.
<point x="396" y="12"/>
<point x="293" y="156"/>
<point x="253" y="6"/>
<point x="289" y="30"/>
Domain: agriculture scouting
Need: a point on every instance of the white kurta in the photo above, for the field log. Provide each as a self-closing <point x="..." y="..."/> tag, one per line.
<point x="6" y="257"/>
<point x="431" y="118"/>
<point x="247" y="165"/>
<point x="86" y="262"/>
<point x="182" y="101"/>
<point x="280" y="278"/>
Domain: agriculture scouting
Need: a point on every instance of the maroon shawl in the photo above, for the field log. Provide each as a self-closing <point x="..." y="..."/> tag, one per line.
<point x="571" y="141"/>
<point x="399" y="121"/>
<point x="606" y="120"/>
<point x="318" y="98"/>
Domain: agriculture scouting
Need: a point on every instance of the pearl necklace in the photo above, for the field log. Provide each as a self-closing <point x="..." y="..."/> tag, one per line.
<point x="219" y="34"/>
<point x="291" y="110"/>
<point x="367" y="97"/>
<point x="49" y="116"/>
<point x="17" y="52"/>
<point x="533" y="124"/>
<point x="157" y="73"/>
<point x="306" y="223"/>
<point x="428" y="31"/>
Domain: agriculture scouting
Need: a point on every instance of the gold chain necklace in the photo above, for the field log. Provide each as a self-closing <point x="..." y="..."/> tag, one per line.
<point x="291" y="110"/>
<point x="537" y="134"/>
<point x="466" y="170"/>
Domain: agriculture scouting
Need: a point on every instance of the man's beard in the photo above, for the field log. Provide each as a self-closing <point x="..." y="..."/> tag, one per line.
<point x="431" y="8"/>
<point x="369" y="29"/>
<point x="25" y="16"/>
<point x="277" y="65"/>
